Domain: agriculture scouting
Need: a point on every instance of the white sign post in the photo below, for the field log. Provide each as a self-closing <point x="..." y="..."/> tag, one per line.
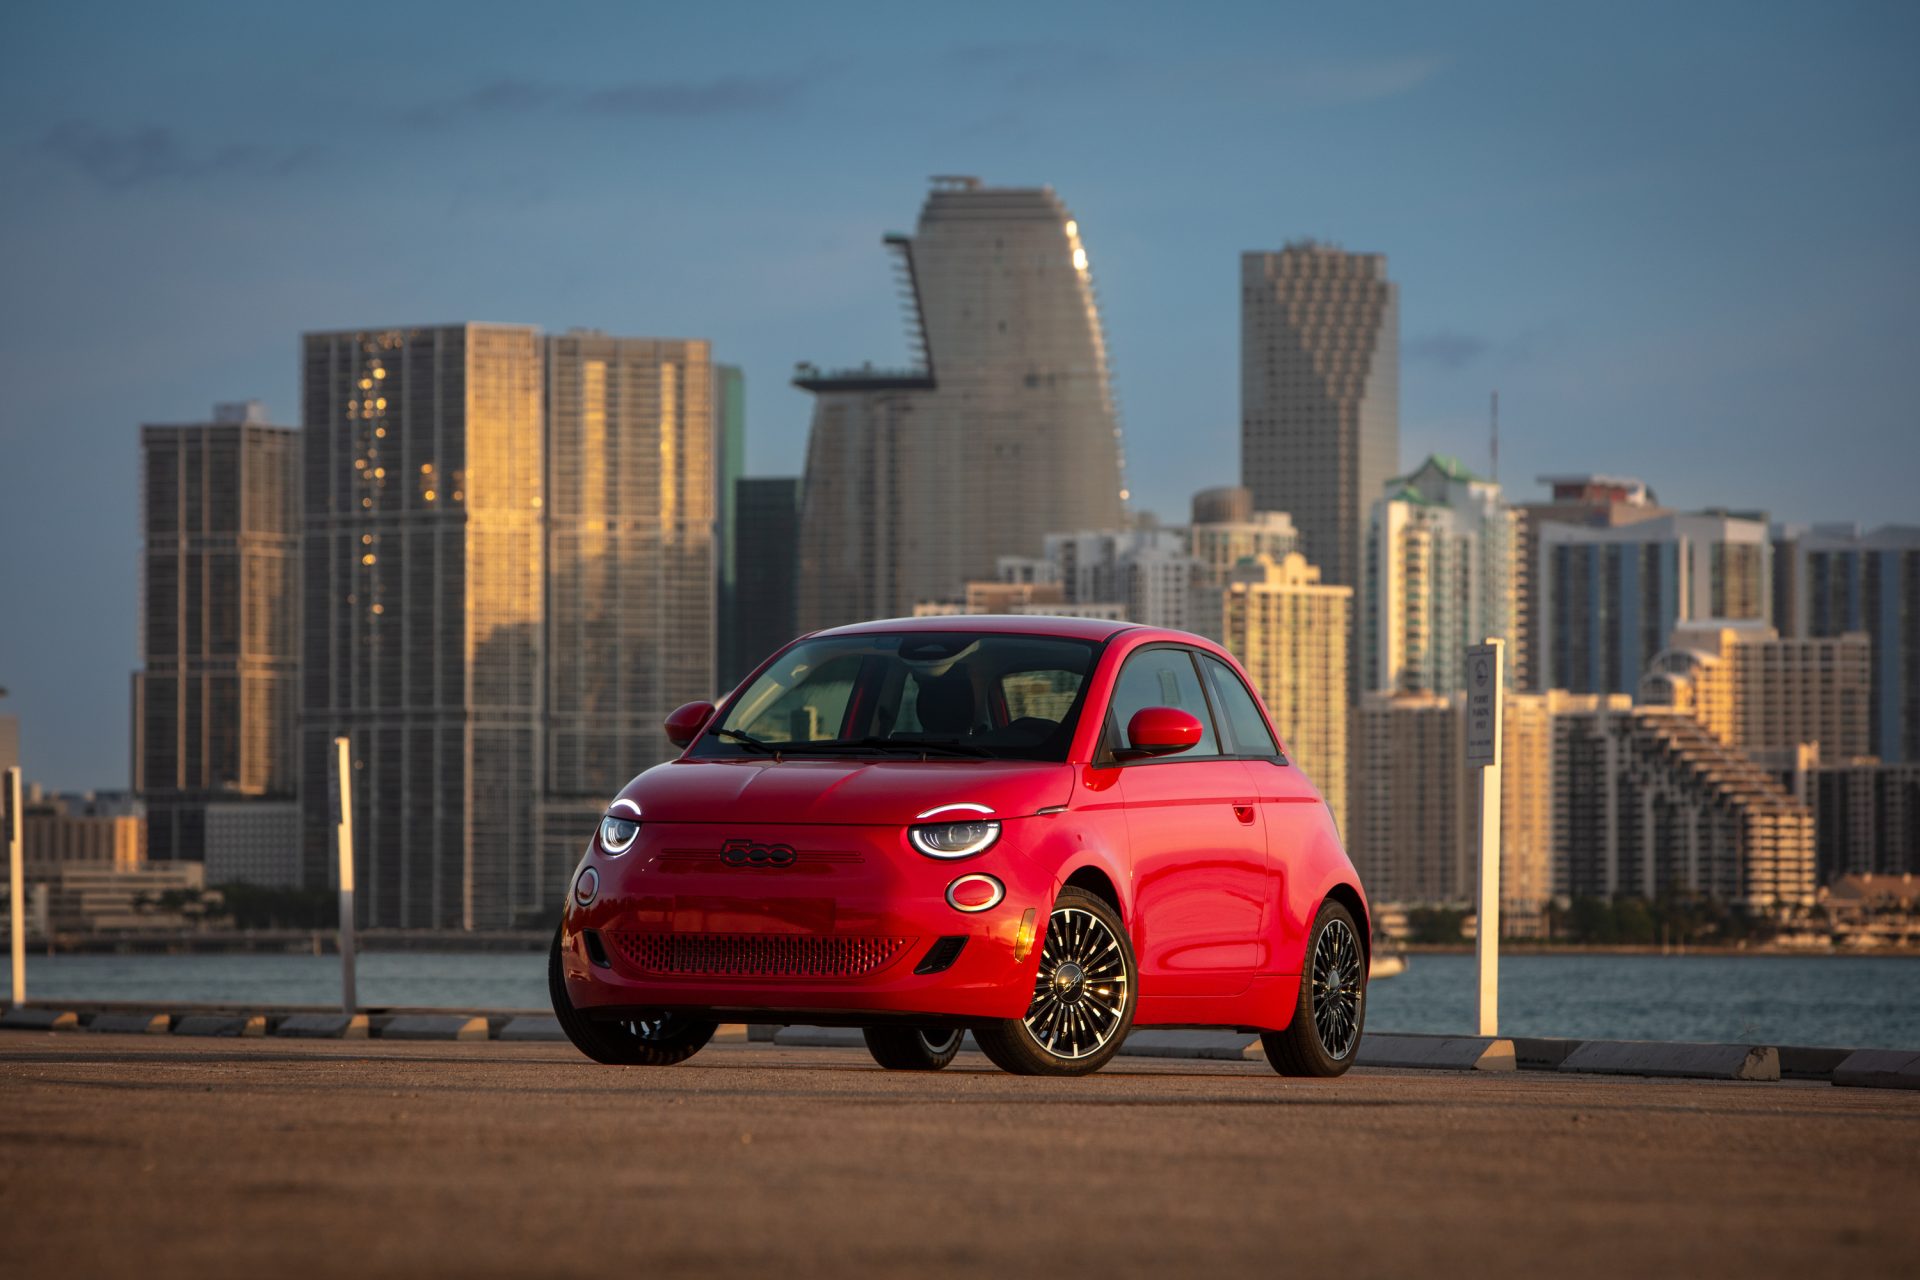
<point x="1486" y="677"/>
<point x="343" y="848"/>
<point x="15" y="821"/>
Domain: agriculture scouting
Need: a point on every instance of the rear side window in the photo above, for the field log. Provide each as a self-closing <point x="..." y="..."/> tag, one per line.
<point x="1163" y="678"/>
<point x="1245" y="725"/>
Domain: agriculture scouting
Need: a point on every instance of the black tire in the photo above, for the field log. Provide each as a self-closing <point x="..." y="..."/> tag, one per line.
<point x="1324" y="1037"/>
<point x="913" y="1048"/>
<point x="640" y="1042"/>
<point x="1087" y="1010"/>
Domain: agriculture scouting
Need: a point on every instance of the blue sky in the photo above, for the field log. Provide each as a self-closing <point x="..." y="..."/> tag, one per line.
<point x="1683" y="241"/>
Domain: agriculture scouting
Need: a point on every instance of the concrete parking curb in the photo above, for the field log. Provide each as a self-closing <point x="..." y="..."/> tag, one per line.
<point x="323" y="1026"/>
<point x="152" y="1024"/>
<point x="214" y="1024"/>
<point x="429" y="1026"/>
<point x="21" y="1018"/>
<point x="1689" y="1061"/>
<point x="1437" y="1053"/>
<point x="1879" y="1069"/>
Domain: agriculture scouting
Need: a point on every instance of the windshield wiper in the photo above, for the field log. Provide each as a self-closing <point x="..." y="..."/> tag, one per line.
<point x="916" y="746"/>
<point x="747" y="740"/>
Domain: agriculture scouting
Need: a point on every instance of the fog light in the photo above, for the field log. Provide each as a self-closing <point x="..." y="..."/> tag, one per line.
<point x="975" y="893"/>
<point x="587" y="887"/>
<point x="1023" y="940"/>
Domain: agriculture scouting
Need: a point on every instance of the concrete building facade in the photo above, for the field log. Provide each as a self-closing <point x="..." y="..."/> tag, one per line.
<point x="216" y="699"/>
<point x="1004" y="430"/>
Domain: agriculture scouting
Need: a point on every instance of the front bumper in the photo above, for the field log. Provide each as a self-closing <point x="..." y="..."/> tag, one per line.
<point x="833" y="936"/>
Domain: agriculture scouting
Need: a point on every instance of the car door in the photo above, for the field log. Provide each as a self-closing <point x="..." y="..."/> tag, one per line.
<point x="1194" y="829"/>
<point x="1289" y="805"/>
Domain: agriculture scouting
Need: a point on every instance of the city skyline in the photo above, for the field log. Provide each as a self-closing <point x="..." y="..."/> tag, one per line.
<point x="1615" y="273"/>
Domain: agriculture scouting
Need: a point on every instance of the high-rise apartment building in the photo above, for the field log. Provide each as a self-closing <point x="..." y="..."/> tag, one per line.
<point x="1147" y="571"/>
<point x="1838" y="579"/>
<point x="215" y="703"/>
<point x="1005" y="430"/>
<point x="1441" y="549"/>
<point x="1292" y="633"/>
<point x="630" y="569"/>
<point x="1226" y="530"/>
<point x="1866" y="818"/>
<point x="423" y="584"/>
<point x="1594" y="501"/>
<point x="1766" y="695"/>
<point x="1649" y="803"/>
<point x="1319" y="394"/>
<point x="768" y="523"/>
<point x="1607" y="598"/>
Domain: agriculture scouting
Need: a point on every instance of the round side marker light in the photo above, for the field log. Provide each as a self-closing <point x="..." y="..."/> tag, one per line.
<point x="975" y="893"/>
<point x="587" y="887"/>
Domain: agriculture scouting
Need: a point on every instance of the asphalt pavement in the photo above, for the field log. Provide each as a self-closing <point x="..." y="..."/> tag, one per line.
<point x="161" y="1156"/>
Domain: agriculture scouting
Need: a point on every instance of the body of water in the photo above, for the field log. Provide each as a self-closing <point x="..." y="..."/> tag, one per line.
<point x="1853" y="1001"/>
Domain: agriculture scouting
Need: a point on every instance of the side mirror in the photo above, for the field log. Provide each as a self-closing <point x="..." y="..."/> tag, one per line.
<point x="685" y="724"/>
<point x="1160" y="731"/>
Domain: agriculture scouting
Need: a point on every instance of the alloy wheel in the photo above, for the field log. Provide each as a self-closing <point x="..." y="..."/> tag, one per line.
<point x="1080" y="997"/>
<point x="1337" y="977"/>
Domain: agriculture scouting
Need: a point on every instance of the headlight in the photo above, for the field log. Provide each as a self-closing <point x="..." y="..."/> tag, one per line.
<point x="953" y="839"/>
<point x="617" y="834"/>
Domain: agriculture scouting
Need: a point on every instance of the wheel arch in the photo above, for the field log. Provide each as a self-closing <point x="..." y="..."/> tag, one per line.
<point x="1094" y="879"/>
<point x="1349" y="897"/>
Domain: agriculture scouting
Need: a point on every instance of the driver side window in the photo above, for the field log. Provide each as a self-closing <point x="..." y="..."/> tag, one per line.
<point x="1162" y="678"/>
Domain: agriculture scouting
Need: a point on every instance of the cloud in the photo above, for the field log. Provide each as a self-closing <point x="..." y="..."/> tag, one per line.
<point x="1448" y="350"/>
<point x="728" y="95"/>
<point x="136" y="157"/>
<point x="493" y="97"/>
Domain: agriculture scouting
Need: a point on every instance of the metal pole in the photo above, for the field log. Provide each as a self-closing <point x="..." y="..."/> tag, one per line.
<point x="343" y="848"/>
<point x="1486" y="940"/>
<point x="16" y="884"/>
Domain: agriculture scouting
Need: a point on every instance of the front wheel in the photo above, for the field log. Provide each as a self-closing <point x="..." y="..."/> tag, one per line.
<point x="1324" y="1035"/>
<point x="1082" y="999"/>
<point x="641" y="1041"/>
<point x="913" y="1048"/>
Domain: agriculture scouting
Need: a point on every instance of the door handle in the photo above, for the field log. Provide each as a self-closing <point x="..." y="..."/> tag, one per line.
<point x="1244" y="811"/>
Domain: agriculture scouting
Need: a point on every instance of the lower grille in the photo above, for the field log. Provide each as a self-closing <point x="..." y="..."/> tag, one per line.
<point x="757" y="955"/>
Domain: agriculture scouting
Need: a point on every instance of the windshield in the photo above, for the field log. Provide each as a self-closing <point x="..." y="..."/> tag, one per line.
<point x="933" y="695"/>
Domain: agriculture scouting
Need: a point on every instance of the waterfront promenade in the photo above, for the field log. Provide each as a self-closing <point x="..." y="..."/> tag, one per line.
<point x="170" y="1156"/>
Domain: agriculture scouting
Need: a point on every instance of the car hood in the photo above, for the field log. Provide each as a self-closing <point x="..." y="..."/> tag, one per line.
<point x="864" y="791"/>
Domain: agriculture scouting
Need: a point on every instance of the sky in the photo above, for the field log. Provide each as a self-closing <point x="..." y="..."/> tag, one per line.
<point x="1682" y="241"/>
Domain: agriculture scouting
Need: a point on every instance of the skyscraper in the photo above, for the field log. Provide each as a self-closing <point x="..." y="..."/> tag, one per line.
<point x="1606" y="599"/>
<point x="729" y="460"/>
<point x="423" y="585"/>
<point x="1840" y="579"/>
<point x="1319" y="394"/>
<point x="1596" y="501"/>
<point x="1005" y="430"/>
<point x="1441" y="547"/>
<point x="629" y="619"/>
<point x="1292" y="633"/>
<point x="768" y="524"/>
<point x="215" y="702"/>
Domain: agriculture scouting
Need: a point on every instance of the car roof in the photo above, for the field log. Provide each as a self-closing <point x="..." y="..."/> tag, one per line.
<point x="1020" y="624"/>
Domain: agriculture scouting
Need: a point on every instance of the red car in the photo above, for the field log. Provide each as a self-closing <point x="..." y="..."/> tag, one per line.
<point x="1046" y="831"/>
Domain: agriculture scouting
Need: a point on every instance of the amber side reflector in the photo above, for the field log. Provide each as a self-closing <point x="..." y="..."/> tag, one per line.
<point x="1023" y="940"/>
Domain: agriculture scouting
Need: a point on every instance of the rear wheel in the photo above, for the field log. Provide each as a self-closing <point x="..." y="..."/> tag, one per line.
<point x="1082" y="998"/>
<point x="912" y="1048"/>
<point x="659" y="1040"/>
<point x="1324" y="1035"/>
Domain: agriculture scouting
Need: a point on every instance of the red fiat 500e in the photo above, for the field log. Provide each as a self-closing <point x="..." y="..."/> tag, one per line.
<point x="1046" y="831"/>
